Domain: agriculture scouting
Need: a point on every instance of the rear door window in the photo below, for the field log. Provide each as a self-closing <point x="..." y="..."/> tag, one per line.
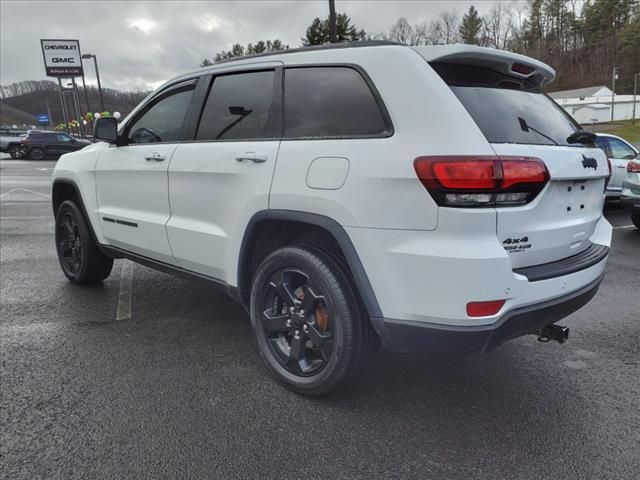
<point x="321" y="102"/>
<point x="239" y="106"/>
<point x="508" y="109"/>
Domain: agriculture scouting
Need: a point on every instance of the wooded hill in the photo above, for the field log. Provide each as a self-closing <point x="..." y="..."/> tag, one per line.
<point x="24" y="100"/>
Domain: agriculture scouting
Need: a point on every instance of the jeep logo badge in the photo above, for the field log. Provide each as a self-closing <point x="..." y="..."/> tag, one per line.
<point x="589" y="162"/>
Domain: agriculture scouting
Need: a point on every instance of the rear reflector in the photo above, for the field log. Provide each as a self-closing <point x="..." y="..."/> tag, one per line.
<point x="484" y="309"/>
<point x="481" y="181"/>
<point x="633" y="167"/>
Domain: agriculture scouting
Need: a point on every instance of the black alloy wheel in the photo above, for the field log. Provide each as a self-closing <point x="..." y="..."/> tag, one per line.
<point x="296" y="322"/>
<point x="16" y="152"/>
<point x="81" y="260"/>
<point x="311" y="327"/>
<point x="69" y="243"/>
<point x="36" y="153"/>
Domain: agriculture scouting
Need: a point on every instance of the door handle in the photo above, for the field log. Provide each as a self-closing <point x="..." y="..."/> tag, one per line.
<point x="252" y="156"/>
<point x="620" y="166"/>
<point x="155" y="156"/>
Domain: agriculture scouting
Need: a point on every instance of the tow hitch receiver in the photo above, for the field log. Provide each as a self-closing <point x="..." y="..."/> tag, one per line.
<point x="553" y="332"/>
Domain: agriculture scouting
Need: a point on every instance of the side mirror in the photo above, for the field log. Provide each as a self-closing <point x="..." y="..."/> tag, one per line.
<point x="106" y="130"/>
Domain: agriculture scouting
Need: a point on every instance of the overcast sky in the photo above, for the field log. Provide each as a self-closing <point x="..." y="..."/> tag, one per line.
<point x="141" y="44"/>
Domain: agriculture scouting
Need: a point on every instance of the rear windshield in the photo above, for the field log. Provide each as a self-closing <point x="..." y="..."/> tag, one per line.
<point x="508" y="109"/>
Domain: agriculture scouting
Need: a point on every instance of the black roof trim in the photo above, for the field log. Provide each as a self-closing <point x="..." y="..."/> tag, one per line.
<point x="325" y="46"/>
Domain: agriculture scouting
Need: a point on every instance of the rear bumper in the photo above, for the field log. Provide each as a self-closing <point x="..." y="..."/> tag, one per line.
<point x="415" y="337"/>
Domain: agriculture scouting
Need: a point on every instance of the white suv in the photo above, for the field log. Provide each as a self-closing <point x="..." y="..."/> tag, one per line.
<point x="430" y="198"/>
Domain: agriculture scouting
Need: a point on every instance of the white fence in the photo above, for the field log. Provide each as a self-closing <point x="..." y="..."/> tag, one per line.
<point x="588" y="110"/>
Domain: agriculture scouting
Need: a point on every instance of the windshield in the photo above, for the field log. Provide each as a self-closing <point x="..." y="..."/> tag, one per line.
<point x="508" y="109"/>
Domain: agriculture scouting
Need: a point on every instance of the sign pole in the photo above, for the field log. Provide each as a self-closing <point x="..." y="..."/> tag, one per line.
<point x="64" y="108"/>
<point x="86" y="95"/>
<point x="76" y="101"/>
<point x="635" y="90"/>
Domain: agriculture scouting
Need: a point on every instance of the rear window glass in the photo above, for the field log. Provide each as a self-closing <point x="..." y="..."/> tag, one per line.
<point x="508" y="109"/>
<point x="330" y="102"/>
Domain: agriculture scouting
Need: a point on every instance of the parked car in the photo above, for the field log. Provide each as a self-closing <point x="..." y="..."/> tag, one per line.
<point x="11" y="144"/>
<point x="431" y="198"/>
<point x="630" y="195"/>
<point x="619" y="152"/>
<point x="40" y="144"/>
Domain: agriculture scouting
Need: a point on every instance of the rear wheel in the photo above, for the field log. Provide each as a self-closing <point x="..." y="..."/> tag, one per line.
<point x="635" y="218"/>
<point x="81" y="260"/>
<point x="311" y="328"/>
<point x="36" y="153"/>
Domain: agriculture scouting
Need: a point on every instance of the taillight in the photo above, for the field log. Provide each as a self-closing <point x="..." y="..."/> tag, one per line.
<point x="484" y="309"/>
<point x="633" y="167"/>
<point x="481" y="181"/>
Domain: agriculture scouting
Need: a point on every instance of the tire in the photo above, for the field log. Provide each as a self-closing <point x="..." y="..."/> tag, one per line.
<point x="635" y="219"/>
<point x="36" y="153"/>
<point x="14" y="151"/>
<point x="311" y="354"/>
<point x="80" y="259"/>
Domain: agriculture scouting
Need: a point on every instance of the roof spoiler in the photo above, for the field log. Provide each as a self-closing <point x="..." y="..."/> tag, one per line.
<point x="505" y="62"/>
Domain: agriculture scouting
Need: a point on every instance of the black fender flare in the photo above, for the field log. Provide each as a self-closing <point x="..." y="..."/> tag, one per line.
<point x="336" y="230"/>
<point x="74" y="186"/>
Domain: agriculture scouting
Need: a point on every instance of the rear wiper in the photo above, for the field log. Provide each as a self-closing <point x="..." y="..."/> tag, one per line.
<point x="582" y="136"/>
<point x="526" y="128"/>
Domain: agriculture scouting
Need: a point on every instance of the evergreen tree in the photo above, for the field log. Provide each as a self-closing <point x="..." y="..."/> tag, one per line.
<point x="318" y="32"/>
<point x="471" y="27"/>
<point x="238" y="50"/>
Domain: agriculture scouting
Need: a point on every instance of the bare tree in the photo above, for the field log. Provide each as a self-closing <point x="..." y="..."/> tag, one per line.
<point x="450" y="26"/>
<point x="403" y="32"/>
<point x="499" y="26"/>
<point x="444" y="29"/>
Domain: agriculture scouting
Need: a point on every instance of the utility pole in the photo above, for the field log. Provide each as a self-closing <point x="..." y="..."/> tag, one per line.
<point x="635" y="90"/>
<point x="333" y="29"/>
<point x="613" y="89"/>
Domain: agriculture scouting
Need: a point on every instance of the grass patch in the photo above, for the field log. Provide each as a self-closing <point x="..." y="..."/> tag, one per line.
<point x="624" y="129"/>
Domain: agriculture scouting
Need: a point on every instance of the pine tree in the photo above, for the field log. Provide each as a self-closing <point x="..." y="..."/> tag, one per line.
<point x="318" y="32"/>
<point x="471" y="27"/>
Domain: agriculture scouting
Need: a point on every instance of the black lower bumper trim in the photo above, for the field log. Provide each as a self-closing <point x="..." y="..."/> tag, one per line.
<point x="420" y="337"/>
<point x="585" y="259"/>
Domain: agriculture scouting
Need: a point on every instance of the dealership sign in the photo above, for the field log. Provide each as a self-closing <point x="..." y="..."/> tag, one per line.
<point x="42" y="119"/>
<point x="62" y="58"/>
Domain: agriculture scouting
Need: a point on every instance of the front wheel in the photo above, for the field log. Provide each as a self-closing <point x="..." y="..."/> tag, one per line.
<point x="15" y="152"/>
<point x="81" y="260"/>
<point x="311" y="328"/>
<point x="635" y="218"/>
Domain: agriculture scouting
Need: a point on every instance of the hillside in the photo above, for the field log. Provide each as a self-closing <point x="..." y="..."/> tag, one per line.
<point x="23" y="101"/>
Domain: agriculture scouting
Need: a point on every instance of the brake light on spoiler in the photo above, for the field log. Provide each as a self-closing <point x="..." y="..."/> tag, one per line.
<point x="481" y="181"/>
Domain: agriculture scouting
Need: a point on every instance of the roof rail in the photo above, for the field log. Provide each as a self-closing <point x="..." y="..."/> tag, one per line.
<point x="324" y="46"/>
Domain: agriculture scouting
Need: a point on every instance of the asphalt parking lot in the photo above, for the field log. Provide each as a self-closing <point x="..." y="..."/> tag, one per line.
<point x="174" y="387"/>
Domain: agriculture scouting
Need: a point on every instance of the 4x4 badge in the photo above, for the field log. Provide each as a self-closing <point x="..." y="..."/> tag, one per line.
<point x="589" y="162"/>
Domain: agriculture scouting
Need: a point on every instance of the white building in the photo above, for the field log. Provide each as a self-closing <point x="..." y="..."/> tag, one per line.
<point x="593" y="104"/>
